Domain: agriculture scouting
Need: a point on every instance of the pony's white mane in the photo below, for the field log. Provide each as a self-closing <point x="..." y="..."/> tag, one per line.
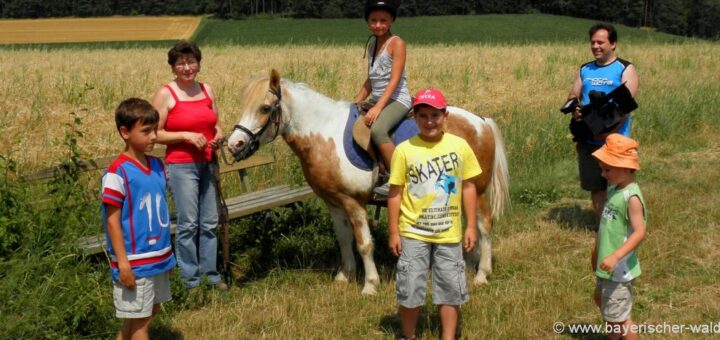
<point x="314" y="111"/>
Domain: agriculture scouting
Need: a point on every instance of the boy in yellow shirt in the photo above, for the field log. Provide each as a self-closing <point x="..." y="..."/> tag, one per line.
<point x="431" y="181"/>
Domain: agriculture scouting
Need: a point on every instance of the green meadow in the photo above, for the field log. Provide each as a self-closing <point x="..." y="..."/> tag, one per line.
<point x="516" y="69"/>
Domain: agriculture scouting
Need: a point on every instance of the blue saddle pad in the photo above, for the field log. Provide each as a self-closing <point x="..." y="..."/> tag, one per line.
<point x="359" y="157"/>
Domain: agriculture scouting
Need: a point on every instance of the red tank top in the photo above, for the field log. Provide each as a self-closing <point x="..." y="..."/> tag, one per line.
<point x="195" y="116"/>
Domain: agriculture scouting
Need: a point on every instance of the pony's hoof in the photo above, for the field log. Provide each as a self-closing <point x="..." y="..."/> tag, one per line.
<point x="369" y="290"/>
<point x="480" y="279"/>
<point x="341" y="277"/>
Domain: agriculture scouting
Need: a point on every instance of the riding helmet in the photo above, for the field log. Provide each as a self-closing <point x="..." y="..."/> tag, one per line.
<point x="387" y="5"/>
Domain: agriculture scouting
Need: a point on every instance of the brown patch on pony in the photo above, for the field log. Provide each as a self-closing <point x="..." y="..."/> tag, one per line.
<point x="320" y="165"/>
<point x="483" y="145"/>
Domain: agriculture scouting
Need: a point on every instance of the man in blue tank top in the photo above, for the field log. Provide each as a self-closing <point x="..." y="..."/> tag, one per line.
<point x="605" y="73"/>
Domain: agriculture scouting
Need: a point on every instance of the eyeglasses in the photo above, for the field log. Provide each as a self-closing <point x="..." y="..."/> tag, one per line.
<point x="189" y="64"/>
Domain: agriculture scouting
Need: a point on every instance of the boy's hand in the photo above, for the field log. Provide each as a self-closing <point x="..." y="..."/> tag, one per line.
<point x="127" y="277"/>
<point x="608" y="264"/>
<point x="394" y="244"/>
<point x="470" y="239"/>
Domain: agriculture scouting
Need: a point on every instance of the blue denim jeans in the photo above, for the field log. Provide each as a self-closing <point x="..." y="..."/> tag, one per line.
<point x="193" y="192"/>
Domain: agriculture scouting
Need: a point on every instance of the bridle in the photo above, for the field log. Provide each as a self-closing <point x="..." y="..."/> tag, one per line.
<point x="254" y="143"/>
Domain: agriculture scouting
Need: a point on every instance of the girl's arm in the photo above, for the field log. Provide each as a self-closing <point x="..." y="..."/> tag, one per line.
<point x="364" y="92"/>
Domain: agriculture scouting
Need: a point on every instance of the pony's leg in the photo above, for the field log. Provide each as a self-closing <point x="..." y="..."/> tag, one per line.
<point x="484" y="247"/>
<point x="344" y="235"/>
<point x="363" y="239"/>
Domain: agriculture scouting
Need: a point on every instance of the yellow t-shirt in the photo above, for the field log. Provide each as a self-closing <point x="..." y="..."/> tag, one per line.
<point x="432" y="175"/>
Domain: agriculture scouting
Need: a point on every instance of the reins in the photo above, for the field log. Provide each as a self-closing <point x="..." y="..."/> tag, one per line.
<point x="253" y="145"/>
<point x="223" y="220"/>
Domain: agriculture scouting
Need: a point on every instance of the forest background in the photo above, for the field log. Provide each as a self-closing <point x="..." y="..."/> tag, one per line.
<point x="682" y="17"/>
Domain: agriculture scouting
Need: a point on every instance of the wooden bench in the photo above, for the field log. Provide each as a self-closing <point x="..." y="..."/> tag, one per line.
<point x="246" y="203"/>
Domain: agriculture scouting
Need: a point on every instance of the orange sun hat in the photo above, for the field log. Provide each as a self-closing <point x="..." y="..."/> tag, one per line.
<point x="619" y="151"/>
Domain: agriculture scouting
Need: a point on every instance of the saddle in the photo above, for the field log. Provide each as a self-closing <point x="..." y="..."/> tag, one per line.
<point x="358" y="141"/>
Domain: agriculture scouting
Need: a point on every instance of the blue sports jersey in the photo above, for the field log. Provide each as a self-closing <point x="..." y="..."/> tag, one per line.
<point x="603" y="78"/>
<point x="145" y="221"/>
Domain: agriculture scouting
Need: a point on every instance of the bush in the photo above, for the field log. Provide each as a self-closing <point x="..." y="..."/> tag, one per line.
<point x="47" y="290"/>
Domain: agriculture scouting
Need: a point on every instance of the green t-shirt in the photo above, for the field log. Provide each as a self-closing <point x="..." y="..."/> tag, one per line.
<point x="614" y="231"/>
<point x="432" y="175"/>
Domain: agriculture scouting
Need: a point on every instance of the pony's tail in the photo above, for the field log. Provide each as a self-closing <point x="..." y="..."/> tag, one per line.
<point x="499" y="184"/>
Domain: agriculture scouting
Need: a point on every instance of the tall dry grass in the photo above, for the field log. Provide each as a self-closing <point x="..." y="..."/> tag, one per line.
<point x="541" y="246"/>
<point x="512" y="84"/>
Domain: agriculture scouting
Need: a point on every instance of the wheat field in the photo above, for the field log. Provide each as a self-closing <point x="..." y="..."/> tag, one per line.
<point x="64" y="30"/>
<point x="541" y="249"/>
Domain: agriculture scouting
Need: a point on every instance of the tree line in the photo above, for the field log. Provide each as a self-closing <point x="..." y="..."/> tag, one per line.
<point x="681" y="17"/>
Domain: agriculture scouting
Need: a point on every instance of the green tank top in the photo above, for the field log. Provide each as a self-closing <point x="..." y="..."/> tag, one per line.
<point x="614" y="231"/>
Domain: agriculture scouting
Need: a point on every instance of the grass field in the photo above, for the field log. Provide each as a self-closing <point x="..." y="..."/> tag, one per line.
<point x="541" y="262"/>
<point x="486" y="29"/>
<point x="64" y="30"/>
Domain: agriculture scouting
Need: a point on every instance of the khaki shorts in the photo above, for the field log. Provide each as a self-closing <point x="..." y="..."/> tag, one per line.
<point x="589" y="167"/>
<point x="449" y="286"/>
<point x="616" y="300"/>
<point x="138" y="303"/>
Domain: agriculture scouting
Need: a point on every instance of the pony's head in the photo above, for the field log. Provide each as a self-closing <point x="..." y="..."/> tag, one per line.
<point x="260" y="116"/>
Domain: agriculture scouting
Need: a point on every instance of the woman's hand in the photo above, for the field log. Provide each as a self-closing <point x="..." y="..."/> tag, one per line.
<point x="197" y="139"/>
<point x="216" y="142"/>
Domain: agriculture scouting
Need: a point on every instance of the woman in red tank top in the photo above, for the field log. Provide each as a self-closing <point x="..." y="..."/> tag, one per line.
<point x="190" y="128"/>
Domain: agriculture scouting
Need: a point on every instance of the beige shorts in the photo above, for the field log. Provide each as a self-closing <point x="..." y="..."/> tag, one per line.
<point x="616" y="299"/>
<point x="138" y="302"/>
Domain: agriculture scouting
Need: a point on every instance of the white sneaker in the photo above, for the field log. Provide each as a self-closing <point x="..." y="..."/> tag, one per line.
<point x="383" y="190"/>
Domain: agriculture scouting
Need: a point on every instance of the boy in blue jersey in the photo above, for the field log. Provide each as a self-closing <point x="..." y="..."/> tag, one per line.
<point x="137" y="222"/>
<point x="603" y="74"/>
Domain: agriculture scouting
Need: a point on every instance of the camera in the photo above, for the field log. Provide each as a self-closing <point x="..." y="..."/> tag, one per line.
<point x="570" y="106"/>
<point x="603" y="114"/>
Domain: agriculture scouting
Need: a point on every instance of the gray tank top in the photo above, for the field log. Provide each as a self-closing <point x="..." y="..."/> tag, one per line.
<point x="379" y="75"/>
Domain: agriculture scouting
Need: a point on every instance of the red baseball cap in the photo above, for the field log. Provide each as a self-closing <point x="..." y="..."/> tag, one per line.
<point x="431" y="97"/>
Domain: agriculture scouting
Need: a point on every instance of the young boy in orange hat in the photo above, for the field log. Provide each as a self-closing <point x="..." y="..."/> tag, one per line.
<point x="622" y="228"/>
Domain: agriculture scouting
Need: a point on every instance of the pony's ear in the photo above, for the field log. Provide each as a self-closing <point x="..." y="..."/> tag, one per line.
<point x="274" y="79"/>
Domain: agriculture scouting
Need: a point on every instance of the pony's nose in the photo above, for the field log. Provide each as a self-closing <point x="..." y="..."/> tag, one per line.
<point x="238" y="145"/>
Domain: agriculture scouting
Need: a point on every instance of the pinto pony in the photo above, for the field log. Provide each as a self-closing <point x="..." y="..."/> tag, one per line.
<point x="312" y="125"/>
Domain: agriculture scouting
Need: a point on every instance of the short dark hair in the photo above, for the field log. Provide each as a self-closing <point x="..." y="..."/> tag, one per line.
<point x="133" y="110"/>
<point x="182" y="48"/>
<point x="612" y="33"/>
